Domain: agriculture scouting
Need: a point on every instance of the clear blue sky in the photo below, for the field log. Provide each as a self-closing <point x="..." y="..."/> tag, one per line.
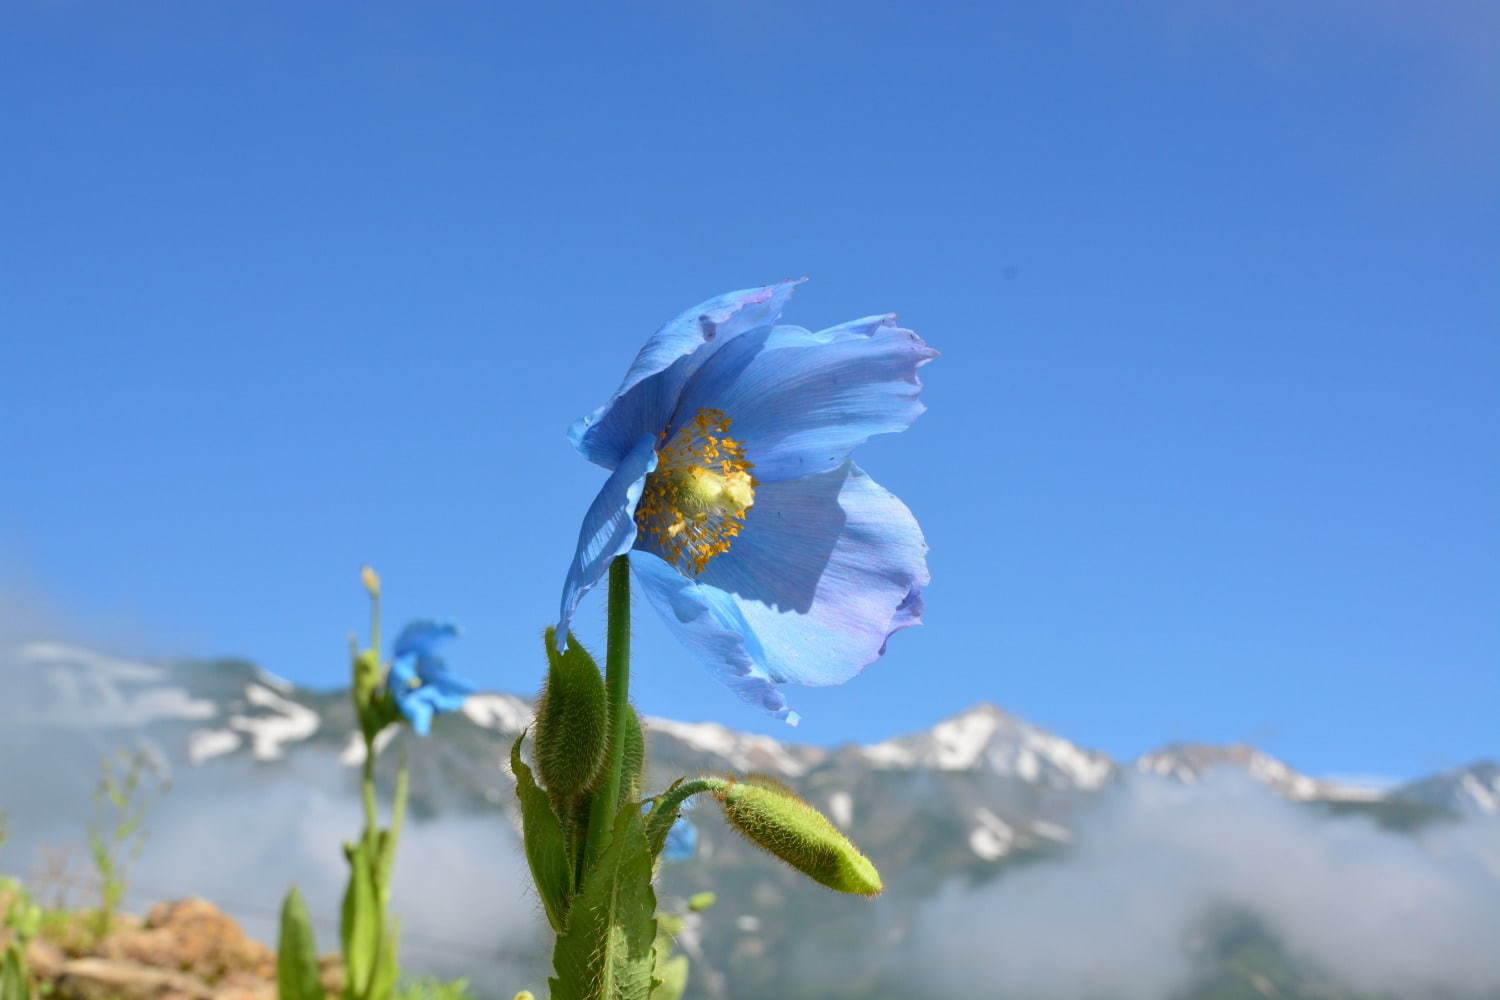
<point x="1211" y="451"/>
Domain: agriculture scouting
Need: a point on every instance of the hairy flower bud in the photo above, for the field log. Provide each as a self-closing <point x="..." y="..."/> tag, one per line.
<point x="366" y="682"/>
<point x="771" y="816"/>
<point x="572" y="722"/>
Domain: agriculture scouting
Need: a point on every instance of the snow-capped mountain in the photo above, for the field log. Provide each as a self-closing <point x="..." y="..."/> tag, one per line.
<point x="1011" y="783"/>
<point x="1474" y="789"/>
<point x="1190" y="763"/>
<point x="987" y="739"/>
<point x="970" y="799"/>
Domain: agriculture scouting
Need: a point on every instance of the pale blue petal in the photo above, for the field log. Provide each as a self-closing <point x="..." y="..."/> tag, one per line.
<point x="800" y="402"/>
<point x="826" y="569"/>
<point x="412" y="701"/>
<point x="423" y="637"/>
<point x="709" y="623"/>
<point x="447" y="693"/>
<point x="608" y="529"/>
<point x="403" y="675"/>
<point x="647" y="397"/>
<point x="434" y="672"/>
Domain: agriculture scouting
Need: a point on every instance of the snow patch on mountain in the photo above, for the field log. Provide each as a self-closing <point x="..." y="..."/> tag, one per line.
<point x="1470" y="790"/>
<point x="1052" y="831"/>
<point x="88" y="689"/>
<point x="206" y="744"/>
<point x="985" y="738"/>
<point x="353" y="754"/>
<point x="841" y="808"/>
<point x="1189" y="763"/>
<point x="503" y="712"/>
<point x="993" y="838"/>
<point x="275" y="681"/>
<point x="742" y="751"/>
<point x="288" y="722"/>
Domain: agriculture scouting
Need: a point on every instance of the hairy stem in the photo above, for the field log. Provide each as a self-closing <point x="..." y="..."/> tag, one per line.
<point x="664" y="812"/>
<point x="617" y="694"/>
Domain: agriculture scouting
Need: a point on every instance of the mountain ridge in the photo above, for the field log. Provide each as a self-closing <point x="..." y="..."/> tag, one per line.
<point x="234" y="706"/>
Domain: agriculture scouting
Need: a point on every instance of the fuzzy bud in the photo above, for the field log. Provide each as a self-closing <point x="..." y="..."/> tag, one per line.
<point x="771" y="816"/>
<point x="572" y="721"/>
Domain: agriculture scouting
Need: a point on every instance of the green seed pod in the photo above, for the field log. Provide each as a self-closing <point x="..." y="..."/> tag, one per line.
<point x="633" y="771"/>
<point x="572" y="724"/>
<point x="771" y="816"/>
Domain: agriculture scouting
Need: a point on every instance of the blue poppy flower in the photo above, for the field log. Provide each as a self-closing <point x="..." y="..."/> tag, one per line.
<point x="419" y="680"/>
<point x="682" y="840"/>
<point x="768" y="553"/>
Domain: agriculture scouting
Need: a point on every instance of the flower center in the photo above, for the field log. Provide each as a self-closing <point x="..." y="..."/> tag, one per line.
<point x="694" y="503"/>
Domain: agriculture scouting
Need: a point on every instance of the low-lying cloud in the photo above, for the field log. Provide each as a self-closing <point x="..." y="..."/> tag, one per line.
<point x="1402" y="915"/>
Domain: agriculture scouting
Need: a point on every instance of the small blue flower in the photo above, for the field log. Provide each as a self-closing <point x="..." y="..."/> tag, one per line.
<point x="419" y="680"/>
<point x="682" y="840"/>
<point x="769" y="554"/>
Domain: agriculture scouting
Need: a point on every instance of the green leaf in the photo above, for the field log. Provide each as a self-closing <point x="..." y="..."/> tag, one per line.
<point x="15" y="984"/>
<point x="386" y="856"/>
<point x="633" y="762"/>
<point x="546" y="847"/>
<point x="359" y="922"/>
<point x="297" y="953"/>
<point x="383" y="979"/>
<point x="608" y="950"/>
<point x="672" y="977"/>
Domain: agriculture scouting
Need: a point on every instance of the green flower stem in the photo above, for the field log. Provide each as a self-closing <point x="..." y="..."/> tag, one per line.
<point x="393" y="832"/>
<point x="367" y="790"/>
<point x="664" y="812"/>
<point x="617" y="695"/>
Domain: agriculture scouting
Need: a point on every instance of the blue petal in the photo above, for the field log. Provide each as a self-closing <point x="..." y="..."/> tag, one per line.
<point x="709" y="623"/>
<point x="827" y="568"/>
<point x="449" y="687"/>
<point x="647" y="397"/>
<point x="415" y="705"/>
<point x="800" y="402"/>
<point x="423" y="637"/>
<point x="403" y="675"/>
<point x="608" y="529"/>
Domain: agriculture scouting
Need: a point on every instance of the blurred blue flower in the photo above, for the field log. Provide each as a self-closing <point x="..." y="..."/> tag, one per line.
<point x="419" y="680"/>
<point x="769" y="554"/>
<point x="682" y="840"/>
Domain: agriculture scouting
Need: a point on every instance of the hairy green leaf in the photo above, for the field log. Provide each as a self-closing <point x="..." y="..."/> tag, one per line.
<point x="546" y="846"/>
<point x="608" y="950"/>
<point x="297" y="953"/>
<point x="672" y="977"/>
<point x="15" y="984"/>
<point x="359" y="922"/>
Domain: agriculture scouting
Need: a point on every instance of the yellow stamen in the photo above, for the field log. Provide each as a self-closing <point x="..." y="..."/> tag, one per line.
<point x="694" y="504"/>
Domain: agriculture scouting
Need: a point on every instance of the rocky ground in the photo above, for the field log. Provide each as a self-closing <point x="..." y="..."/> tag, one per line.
<point x="186" y="949"/>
